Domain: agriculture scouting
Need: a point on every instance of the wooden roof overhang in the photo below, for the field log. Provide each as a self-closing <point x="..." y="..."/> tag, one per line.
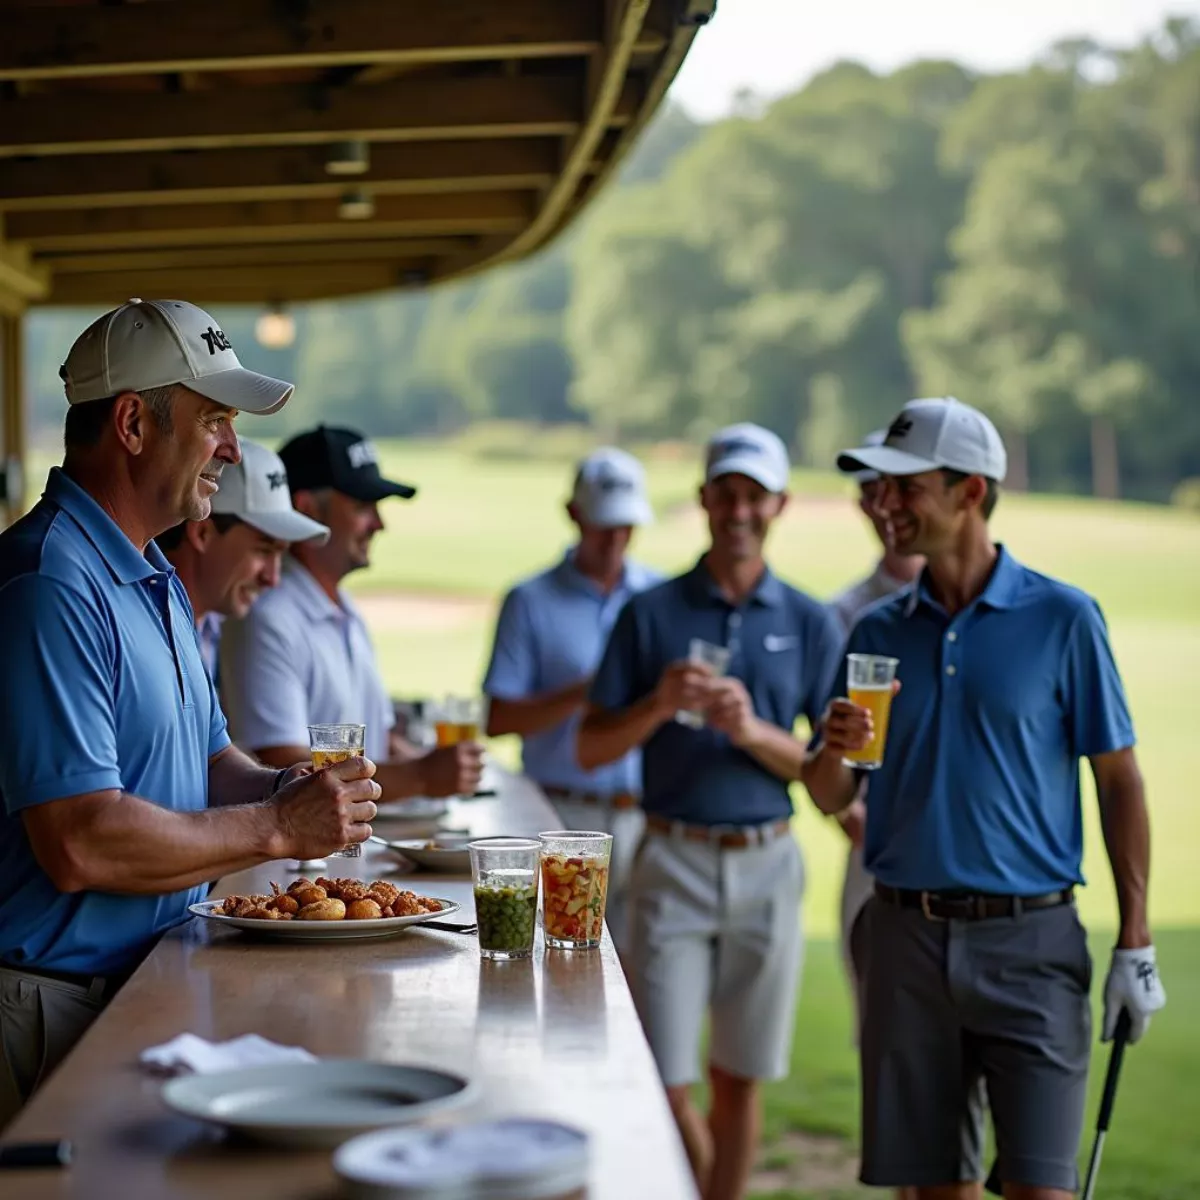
<point x="180" y="147"/>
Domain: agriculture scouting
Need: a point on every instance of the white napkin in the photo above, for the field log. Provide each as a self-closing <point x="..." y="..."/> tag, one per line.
<point x="187" y="1052"/>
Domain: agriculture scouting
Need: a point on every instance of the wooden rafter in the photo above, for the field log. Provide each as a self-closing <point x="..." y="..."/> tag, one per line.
<point x="223" y="35"/>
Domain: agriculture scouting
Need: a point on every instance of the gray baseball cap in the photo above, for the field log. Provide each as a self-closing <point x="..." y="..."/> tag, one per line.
<point x="610" y="490"/>
<point x="749" y="450"/>
<point x="929" y="434"/>
<point x="155" y="343"/>
<point x="256" y="490"/>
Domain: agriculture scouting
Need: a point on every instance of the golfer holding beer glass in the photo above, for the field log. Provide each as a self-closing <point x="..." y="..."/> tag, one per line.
<point x="977" y="966"/>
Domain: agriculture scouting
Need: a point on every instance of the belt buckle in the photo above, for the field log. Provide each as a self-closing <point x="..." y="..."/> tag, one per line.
<point x="929" y="916"/>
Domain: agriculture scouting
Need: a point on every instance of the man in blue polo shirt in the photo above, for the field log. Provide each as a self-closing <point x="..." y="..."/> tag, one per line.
<point x="976" y="964"/>
<point x="115" y="750"/>
<point x="549" y="637"/>
<point x="716" y="885"/>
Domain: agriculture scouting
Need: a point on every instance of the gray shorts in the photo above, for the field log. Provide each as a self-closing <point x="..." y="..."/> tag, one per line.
<point x="716" y="931"/>
<point x="948" y="1004"/>
<point x="40" y="1021"/>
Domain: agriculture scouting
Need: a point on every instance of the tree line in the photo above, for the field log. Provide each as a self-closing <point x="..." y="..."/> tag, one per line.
<point x="1029" y="242"/>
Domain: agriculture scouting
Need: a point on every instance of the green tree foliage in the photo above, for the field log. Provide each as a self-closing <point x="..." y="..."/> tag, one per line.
<point x="1027" y="241"/>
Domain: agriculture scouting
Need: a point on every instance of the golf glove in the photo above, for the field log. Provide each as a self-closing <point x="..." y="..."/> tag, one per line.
<point x="1132" y="983"/>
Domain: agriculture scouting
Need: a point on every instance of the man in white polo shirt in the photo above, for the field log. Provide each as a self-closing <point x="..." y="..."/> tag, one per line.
<point x="229" y="558"/>
<point x="304" y="656"/>
<point x="550" y="634"/>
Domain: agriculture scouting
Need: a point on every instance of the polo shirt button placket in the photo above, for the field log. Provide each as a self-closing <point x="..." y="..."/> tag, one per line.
<point x="951" y="646"/>
<point x="735" y="625"/>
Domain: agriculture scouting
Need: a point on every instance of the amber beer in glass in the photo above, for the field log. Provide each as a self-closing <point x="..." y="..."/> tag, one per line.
<point x="331" y="744"/>
<point x="869" y="685"/>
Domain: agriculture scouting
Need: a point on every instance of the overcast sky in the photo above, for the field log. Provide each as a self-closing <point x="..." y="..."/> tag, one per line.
<point x="774" y="46"/>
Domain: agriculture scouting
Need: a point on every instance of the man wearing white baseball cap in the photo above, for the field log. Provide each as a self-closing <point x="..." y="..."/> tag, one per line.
<point x="549" y="637"/>
<point x="228" y="559"/>
<point x="122" y="796"/>
<point x="978" y="964"/>
<point x="716" y="885"/>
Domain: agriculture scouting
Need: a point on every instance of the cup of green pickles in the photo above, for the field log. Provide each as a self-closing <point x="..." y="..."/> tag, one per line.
<point x="505" y="873"/>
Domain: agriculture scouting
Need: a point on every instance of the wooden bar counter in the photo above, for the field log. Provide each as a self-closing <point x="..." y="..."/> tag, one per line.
<point x="553" y="1037"/>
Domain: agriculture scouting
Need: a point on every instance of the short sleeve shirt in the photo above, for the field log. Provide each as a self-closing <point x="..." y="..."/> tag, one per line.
<point x="979" y="788"/>
<point x="784" y="646"/>
<point x="102" y="689"/>
<point x="299" y="659"/>
<point x="550" y="634"/>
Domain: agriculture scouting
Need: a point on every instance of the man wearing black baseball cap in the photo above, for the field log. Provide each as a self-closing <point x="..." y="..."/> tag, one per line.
<point x="303" y="656"/>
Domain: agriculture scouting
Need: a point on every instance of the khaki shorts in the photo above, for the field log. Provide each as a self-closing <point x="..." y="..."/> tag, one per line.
<point x="40" y="1022"/>
<point x="716" y="931"/>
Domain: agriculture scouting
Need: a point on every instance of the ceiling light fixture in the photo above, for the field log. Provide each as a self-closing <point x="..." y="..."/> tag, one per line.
<point x="356" y="206"/>
<point x="276" y="328"/>
<point x="348" y="158"/>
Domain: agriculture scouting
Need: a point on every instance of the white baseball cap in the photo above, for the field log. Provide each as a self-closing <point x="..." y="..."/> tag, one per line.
<point x="610" y="490"/>
<point x="875" y="438"/>
<point x="256" y="490"/>
<point x="155" y="343"/>
<point x="749" y="450"/>
<point x="930" y="434"/>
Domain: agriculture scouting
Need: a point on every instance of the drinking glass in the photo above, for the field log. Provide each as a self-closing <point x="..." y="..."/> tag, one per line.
<point x="334" y="744"/>
<point x="505" y="874"/>
<point x="574" y="887"/>
<point x="869" y="685"/>
<point x="706" y="654"/>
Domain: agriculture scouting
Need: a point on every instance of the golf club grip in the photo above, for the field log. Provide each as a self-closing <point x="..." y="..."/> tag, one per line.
<point x="1120" y="1038"/>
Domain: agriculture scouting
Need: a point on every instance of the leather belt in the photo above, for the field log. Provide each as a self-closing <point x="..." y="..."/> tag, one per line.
<point x="616" y="800"/>
<point x="959" y="906"/>
<point x="98" y="987"/>
<point x="727" y="837"/>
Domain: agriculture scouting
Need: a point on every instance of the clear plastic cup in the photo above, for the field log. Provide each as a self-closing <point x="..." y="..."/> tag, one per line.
<point x="331" y="744"/>
<point x="709" y="655"/>
<point x="505" y="873"/>
<point x="869" y="685"/>
<point x="574" y="887"/>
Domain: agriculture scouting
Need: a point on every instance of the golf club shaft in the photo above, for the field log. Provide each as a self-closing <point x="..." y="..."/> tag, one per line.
<point x="1107" y="1099"/>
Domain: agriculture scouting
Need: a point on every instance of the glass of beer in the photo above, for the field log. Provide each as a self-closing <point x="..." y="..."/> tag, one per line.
<point x="709" y="655"/>
<point x="334" y="744"/>
<point x="869" y="682"/>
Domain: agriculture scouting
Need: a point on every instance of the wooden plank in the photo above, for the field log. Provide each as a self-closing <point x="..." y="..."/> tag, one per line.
<point x="274" y="220"/>
<point x="230" y="35"/>
<point x="406" y="110"/>
<point x="346" y="250"/>
<point x="20" y="276"/>
<point x="284" y="173"/>
<point x="13" y="416"/>
<point x="555" y="1037"/>
<point x="240" y="284"/>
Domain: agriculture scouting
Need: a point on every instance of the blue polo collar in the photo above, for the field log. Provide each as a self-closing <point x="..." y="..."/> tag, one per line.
<point x="1002" y="590"/>
<point x="768" y="592"/>
<point x="123" y="559"/>
<point x="571" y="576"/>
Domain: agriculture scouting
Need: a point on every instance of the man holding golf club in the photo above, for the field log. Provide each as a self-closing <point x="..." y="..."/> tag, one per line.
<point x="976" y="963"/>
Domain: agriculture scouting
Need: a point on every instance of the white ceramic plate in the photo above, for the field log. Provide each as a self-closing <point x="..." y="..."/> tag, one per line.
<point x="419" y="808"/>
<point x="447" y="860"/>
<point x="321" y="931"/>
<point x="315" y="1104"/>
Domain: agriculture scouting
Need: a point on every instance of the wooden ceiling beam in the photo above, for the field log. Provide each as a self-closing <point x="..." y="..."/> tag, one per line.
<point x="423" y="109"/>
<point x="241" y="285"/>
<point x="268" y="221"/>
<point x="283" y="173"/>
<point x="20" y="275"/>
<point x="231" y="35"/>
<point x="286" y="253"/>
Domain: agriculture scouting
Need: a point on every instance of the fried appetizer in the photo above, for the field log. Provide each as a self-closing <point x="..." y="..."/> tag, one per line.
<point x="363" y="910"/>
<point x="330" y="900"/>
<point x="322" y="910"/>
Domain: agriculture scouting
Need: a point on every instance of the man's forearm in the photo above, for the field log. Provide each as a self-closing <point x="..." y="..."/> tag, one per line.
<point x="775" y="749"/>
<point x="1126" y="828"/>
<point x="605" y="737"/>
<point x="236" y="778"/>
<point x="126" y="845"/>
<point x="401" y="780"/>
<point x="830" y="783"/>
<point x="533" y="714"/>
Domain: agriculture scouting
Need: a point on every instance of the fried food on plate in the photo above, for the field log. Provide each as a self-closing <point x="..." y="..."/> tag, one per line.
<point x="330" y="900"/>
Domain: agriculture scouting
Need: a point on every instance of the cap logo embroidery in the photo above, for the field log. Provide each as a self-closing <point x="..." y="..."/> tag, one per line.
<point x="900" y="428"/>
<point x="277" y="479"/>
<point x="733" y="446"/>
<point x="215" y="340"/>
<point x="361" y="454"/>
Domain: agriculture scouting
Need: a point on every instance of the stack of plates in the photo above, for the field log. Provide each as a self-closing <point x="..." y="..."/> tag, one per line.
<point x="510" y="1159"/>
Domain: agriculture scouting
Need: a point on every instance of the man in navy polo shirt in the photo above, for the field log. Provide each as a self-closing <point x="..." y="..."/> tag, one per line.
<point x="716" y="885"/>
<point x="977" y="966"/>
<point x="115" y="750"/>
<point x="550" y="634"/>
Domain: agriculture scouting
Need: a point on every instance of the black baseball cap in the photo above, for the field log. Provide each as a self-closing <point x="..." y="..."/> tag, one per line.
<point x="342" y="459"/>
